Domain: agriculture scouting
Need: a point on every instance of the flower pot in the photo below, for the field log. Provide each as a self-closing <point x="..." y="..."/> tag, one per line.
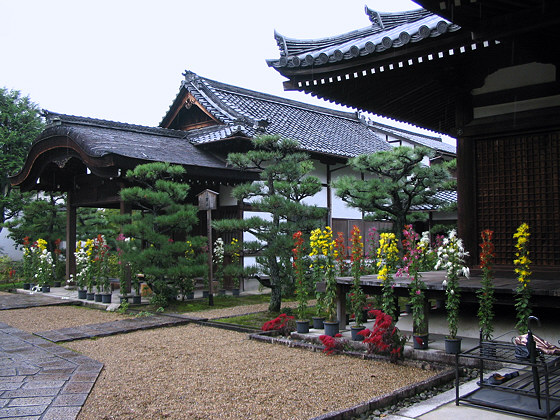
<point x="453" y="345"/>
<point x="354" y="330"/>
<point x="190" y="296"/>
<point x="98" y="297"/>
<point x="82" y="294"/>
<point x="318" y="322"/>
<point x="90" y="296"/>
<point x="408" y="308"/>
<point x="26" y="286"/>
<point x="302" y="326"/>
<point x="57" y="284"/>
<point x="222" y="292"/>
<point x="136" y="300"/>
<point x="331" y="327"/>
<point x="347" y="319"/>
<point x="235" y="292"/>
<point x="45" y="289"/>
<point x="420" y="342"/>
<point x="106" y="297"/>
<point x="123" y="298"/>
<point x="205" y="294"/>
<point x="365" y="315"/>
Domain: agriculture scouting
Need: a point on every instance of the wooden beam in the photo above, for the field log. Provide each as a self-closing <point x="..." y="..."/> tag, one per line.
<point x="70" y="235"/>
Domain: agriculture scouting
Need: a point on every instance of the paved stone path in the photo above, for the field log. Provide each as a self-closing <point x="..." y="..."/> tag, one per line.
<point x="21" y="301"/>
<point x="111" y="328"/>
<point x="41" y="380"/>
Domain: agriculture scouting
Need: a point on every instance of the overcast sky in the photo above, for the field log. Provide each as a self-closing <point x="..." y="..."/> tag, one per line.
<point x="123" y="60"/>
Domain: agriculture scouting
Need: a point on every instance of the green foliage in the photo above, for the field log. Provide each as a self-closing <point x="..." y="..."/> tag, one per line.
<point x="43" y="217"/>
<point x="123" y="309"/>
<point x="284" y="183"/>
<point x="161" y="195"/>
<point x="20" y="124"/>
<point x="9" y="270"/>
<point x="395" y="181"/>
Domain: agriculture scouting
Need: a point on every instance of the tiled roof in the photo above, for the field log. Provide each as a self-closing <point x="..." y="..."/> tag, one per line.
<point x="433" y="142"/>
<point x="387" y="31"/>
<point x="249" y="113"/>
<point x="98" y="138"/>
<point x="445" y="197"/>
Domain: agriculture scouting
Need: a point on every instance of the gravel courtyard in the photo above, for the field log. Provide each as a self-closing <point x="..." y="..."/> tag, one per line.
<point x="196" y="372"/>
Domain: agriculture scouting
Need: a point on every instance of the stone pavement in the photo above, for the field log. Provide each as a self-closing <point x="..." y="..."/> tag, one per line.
<point x="21" y="301"/>
<point x="41" y="380"/>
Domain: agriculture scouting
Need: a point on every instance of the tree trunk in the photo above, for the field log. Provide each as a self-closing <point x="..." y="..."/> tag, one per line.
<point x="275" y="298"/>
<point x="275" y="285"/>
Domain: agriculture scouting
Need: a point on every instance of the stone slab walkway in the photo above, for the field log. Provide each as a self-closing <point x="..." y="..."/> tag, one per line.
<point x="21" y="301"/>
<point x="41" y="380"/>
<point x="111" y="328"/>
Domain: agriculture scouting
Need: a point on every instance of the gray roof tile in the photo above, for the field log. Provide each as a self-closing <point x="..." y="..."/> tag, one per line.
<point x="317" y="129"/>
<point x="388" y="30"/>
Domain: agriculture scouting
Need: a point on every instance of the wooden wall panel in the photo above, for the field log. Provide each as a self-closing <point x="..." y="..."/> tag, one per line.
<point x="518" y="180"/>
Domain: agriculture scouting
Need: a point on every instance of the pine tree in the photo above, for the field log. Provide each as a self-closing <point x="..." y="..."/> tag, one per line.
<point x="284" y="184"/>
<point x="395" y="181"/>
<point x="20" y="123"/>
<point x="161" y="197"/>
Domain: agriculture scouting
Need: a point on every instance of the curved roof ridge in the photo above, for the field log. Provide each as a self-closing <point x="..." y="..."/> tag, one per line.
<point x="400" y="30"/>
<point x="53" y="118"/>
<point x="387" y="20"/>
<point x="198" y="87"/>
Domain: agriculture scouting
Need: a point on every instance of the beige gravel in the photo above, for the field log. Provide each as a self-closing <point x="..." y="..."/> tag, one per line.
<point x="239" y="310"/>
<point x="196" y="372"/>
<point x="47" y="318"/>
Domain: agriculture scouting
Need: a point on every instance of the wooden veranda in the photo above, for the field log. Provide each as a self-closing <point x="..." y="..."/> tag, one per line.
<point x="546" y="292"/>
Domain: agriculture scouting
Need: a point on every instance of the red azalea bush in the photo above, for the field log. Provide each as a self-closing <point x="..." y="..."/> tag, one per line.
<point x="283" y="323"/>
<point x="333" y="344"/>
<point x="385" y="338"/>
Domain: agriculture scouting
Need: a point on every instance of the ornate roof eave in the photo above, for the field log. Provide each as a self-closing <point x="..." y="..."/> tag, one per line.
<point x="59" y="149"/>
<point x="430" y="62"/>
<point x="105" y="147"/>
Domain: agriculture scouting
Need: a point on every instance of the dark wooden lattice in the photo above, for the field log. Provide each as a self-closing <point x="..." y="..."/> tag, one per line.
<point x="518" y="181"/>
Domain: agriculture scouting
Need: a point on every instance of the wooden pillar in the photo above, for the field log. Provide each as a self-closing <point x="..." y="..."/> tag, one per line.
<point x="467" y="225"/>
<point x="329" y="196"/>
<point x="70" y="235"/>
<point x="126" y="283"/>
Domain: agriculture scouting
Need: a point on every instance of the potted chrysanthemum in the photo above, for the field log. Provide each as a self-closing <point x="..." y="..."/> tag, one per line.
<point x="451" y="257"/>
<point x="322" y="253"/>
<point x="302" y="287"/>
<point x="416" y="250"/>
<point x="358" y="298"/>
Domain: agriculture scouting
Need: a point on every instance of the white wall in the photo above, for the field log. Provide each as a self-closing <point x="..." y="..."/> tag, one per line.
<point x="8" y="247"/>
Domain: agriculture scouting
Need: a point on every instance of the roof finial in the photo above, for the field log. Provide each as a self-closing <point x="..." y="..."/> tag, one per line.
<point x="189" y="75"/>
<point x="374" y="18"/>
<point x="261" y="124"/>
